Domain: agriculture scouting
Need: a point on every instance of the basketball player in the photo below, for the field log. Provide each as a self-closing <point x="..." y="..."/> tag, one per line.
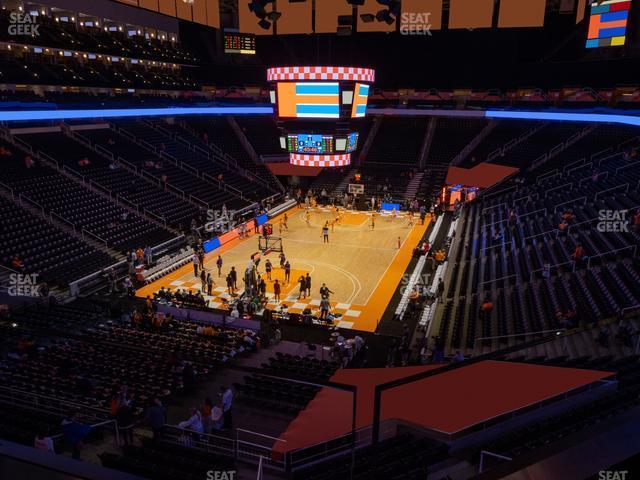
<point x="394" y="213"/>
<point x="373" y="221"/>
<point x="287" y="272"/>
<point x="283" y="259"/>
<point x="285" y="219"/>
<point x="267" y="268"/>
<point x="399" y="243"/>
<point x="307" y="217"/>
<point x="410" y="219"/>
<point x="325" y="233"/>
<point x="280" y="225"/>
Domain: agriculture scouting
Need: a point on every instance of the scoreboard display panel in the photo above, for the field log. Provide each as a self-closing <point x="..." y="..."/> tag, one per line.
<point x="240" y="43"/>
<point x="310" y="143"/>
<point x="352" y="142"/>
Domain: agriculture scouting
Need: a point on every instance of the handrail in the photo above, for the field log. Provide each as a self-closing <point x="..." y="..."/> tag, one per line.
<point x="41" y="402"/>
<point x="62" y="219"/>
<point x="128" y="164"/>
<point x="24" y="145"/>
<point x="573" y="200"/>
<point x="627" y="166"/>
<point x="590" y="164"/>
<point x="94" y="236"/>
<point x="492" y="207"/>
<point x="613" y="188"/>
<point x="491" y="454"/>
<point x="524" y="197"/>
<point x="127" y="134"/>
<point x="498" y="279"/>
<point x="550" y="174"/>
<point x="600" y="175"/>
<point x="97" y="186"/>
<point x="66" y="168"/>
<point x="210" y="177"/>
<point x="190" y="168"/>
<point x="159" y="218"/>
<point x="155" y="179"/>
<point x="555" y="265"/>
<point x="197" y="200"/>
<point x="535" y="211"/>
<point x="615" y="250"/>
<point x="8" y="189"/>
<point x="104" y="151"/>
<point x="547" y="192"/>
<point x="583" y="159"/>
<point x="176" y="190"/>
<point x="41" y="154"/>
<point x="23" y="197"/>
<point x="127" y="202"/>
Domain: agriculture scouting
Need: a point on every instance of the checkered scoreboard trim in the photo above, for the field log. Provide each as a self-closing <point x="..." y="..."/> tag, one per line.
<point x="320" y="160"/>
<point x="321" y="73"/>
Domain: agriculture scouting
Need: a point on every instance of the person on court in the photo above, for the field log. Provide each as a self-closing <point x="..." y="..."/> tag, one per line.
<point x="287" y="272"/>
<point x="325" y="233"/>
<point x="307" y="282"/>
<point x="285" y="219"/>
<point x="280" y="225"/>
<point x="303" y="287"/>
<point x="373" y="221"/>
<point x="307" y="217"/>
<point x="219" y="265"/>
<point x="325" y="306"/>
<point x="283" y="259"/>
<point x="267" y="268"/>
<point x="276" y="291"/>
<point x="324" y="291"/>
<point x="410" y="219"/>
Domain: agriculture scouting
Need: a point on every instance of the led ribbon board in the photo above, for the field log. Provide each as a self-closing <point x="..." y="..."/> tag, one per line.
<point x="320" y="160"/>
<point x="277" y="74"/>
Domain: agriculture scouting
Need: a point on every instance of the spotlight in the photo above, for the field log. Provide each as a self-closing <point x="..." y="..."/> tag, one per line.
<point x="264" y="24"/>
<point x="367" y="17"/>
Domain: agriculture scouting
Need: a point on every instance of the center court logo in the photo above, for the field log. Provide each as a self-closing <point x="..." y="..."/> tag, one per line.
<point x="23" y="24"/>
<point x="415" y="23"/>
<point x="613" y="221"/>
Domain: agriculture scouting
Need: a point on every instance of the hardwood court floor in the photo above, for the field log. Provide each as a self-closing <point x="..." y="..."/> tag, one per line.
<point x="361" y="266"/>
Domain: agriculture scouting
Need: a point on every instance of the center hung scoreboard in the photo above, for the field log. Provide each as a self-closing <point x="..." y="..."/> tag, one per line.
<point x="318" y="110"/>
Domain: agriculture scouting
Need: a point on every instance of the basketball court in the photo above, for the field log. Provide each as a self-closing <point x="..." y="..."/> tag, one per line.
<point x="361" y="265"/>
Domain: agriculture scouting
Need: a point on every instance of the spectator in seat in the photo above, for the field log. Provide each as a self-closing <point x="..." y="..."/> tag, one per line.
<point x="205" y="411"/>
<point x="16" y="263"/>
<point x="84" y="162"/>
<point x="28" y="162"/>
<point x="458" y="357"/>
<point x="194" y="422"/>
<point x="156" y="416"/>
<point x="217" y="417"/>
<point x="485" y="309"/>
<point x="567" y="216"/>
<point x="440" y="256"/>
<point x="43" y="441"/>
<point x="578" y="254"/>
